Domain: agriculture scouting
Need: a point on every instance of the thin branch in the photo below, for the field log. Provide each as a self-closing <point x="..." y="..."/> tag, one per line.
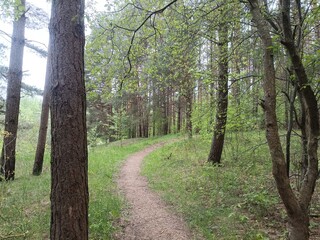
<point x="125" y="6"/>
<point x="135" y="32"/>
<point x="6" y="34"/>
<point x="28" y="44"/>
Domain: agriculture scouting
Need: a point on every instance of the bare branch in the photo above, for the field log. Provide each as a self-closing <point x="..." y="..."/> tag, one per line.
<point x="159" y="11"/>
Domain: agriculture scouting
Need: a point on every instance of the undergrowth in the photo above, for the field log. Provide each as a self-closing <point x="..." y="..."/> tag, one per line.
<point x="25" y="202"/>
<point x="235" y="200"/>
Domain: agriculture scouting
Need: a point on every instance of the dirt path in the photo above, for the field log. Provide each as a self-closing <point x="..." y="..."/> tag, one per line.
<point x="149" y="218"/>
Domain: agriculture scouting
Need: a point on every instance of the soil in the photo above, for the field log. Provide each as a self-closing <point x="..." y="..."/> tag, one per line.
<point x="148" y="217"/>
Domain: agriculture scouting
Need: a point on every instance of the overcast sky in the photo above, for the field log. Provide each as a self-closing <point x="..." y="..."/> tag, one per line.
<point x="34" y="65"/>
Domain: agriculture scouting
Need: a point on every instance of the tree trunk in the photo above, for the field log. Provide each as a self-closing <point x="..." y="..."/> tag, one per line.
<point x="310" y="107"/>
<point x="110" y="123"/>
<point x="189" y="98"/>
<point x="304" y="140"/>
<point x="291" y="99"/>
<point x="222" y="106"/>
<point x="298" y="226"/>
<point x="296" y="207"/>
<point x="237" y="58"/>
<point x="164" y="109"/>
<point x="69" y="157"/>
<point x="42" y="137"/>
<point x="179" y="117"/>
<point x="8" y="156"/>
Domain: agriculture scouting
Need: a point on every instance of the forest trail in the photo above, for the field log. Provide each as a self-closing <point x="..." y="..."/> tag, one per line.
<point x="148" y="217"/>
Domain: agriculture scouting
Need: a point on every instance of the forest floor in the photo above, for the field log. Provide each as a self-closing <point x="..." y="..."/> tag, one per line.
<point x="147" y="216"/>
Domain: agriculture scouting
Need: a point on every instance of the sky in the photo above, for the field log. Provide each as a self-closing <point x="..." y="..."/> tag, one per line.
<point x="34" y="66"/>
<point x="33" y="63"/>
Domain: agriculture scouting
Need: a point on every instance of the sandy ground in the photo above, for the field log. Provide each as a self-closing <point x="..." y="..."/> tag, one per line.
<point x="148" y="216"/>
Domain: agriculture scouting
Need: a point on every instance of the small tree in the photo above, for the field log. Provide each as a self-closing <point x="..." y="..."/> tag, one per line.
<point x="222" y="97"/>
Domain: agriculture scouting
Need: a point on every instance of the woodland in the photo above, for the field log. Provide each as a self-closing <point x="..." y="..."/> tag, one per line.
<point x="231" y="86"/>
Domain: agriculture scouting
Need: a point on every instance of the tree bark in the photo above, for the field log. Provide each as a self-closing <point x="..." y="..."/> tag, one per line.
<point x="8" y="156"/>
<point x="304" y="142"/>
<point x="296" y="207"/>
<point x="291" y="99"/>
<point x="69" y="157"/>
<point x="310" y="107"/>
<point x="222" y="106"/>
<point x="189" y="98"/>
<point x="42" y="137"/>
<point x="179" y="114"/>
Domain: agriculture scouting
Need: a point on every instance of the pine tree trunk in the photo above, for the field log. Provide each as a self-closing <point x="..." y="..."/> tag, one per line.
<point x="179" y="117"/>
<point x="8" y="156"/>
<point x="42" y="137"/>
<point x="189" y="98"/>
<point x="69" y="157"/>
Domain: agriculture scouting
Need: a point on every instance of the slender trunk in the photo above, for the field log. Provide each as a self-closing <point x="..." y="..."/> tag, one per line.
<point x="164" y="109"/>
<point x="42" y="137"/>
<point x="212" y="84"/>
<point x="310" y="106"/>
<point x="296" y="207"/>
<point x="189" y="98"/>
<point x="235" y="86"/>
<point x="179" y="120"/>
<point x="170" y="112"/>
<point x="291" y="99"/>
<point x="8" y="156"/>
<point x="222" y="106"/>
<point x="304" y="140"/>
<point x="111" y="124"/>
<point x="173" y="112"/>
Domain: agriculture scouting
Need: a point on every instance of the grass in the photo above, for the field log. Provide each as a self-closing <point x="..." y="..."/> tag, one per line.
<point x="105" y="202"/>
<point x="236" y="200"/>
<point x="25" y="202"/>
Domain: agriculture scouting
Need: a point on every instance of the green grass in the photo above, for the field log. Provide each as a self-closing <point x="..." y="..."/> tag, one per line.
<point x="25" y="202"/>
<point x="236" y="200"/>
<point x="105" y="201"/>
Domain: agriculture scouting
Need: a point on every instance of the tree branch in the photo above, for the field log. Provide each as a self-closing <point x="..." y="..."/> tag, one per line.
<point x="159" y="11"/>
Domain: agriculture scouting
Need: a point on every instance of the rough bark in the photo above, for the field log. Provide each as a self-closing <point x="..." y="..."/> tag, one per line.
<point x="42" y="137"/>
<point x="69" y="157"/>
<point x="222" y="98"/>
<point x="8" y="156"/>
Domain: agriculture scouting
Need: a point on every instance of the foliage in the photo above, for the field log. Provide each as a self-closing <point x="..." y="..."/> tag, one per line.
<point x="170" y="55"/>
